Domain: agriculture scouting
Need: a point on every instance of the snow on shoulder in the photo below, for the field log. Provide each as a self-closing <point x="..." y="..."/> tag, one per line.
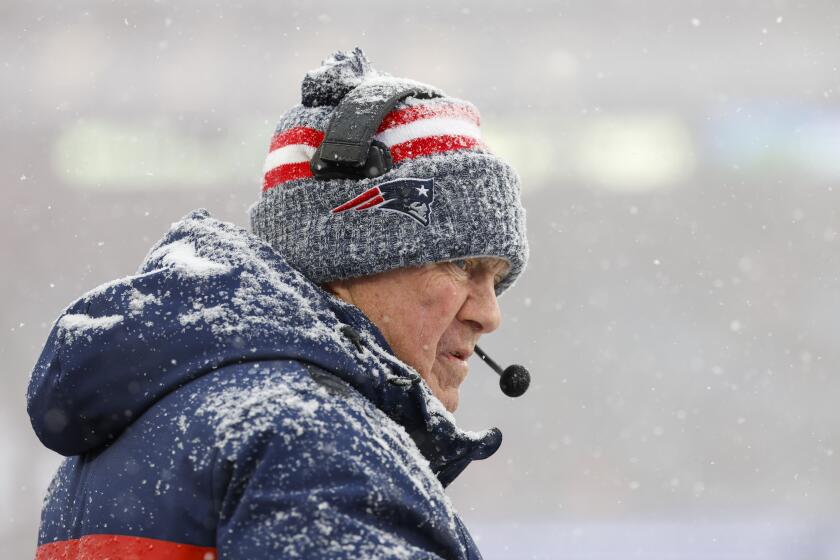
<point x="181" y="256"/>
<point x="246" y="288"/>
<point x="79" y="324"/>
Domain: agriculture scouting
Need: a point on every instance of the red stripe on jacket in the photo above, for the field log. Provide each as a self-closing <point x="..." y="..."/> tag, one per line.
<point x="122" y="547"/>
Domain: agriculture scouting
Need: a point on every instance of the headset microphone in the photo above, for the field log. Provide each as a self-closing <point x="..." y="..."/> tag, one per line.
<point x="514" y="380"/>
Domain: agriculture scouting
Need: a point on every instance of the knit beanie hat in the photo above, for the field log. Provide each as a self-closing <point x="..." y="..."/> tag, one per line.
<point x="429" y="189"/>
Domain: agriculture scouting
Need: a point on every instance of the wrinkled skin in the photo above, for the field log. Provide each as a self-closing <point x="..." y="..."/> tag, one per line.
<point x="432" y="315"/>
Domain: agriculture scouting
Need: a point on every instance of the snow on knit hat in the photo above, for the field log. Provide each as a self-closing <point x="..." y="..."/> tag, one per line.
<point x="429" y="189"/>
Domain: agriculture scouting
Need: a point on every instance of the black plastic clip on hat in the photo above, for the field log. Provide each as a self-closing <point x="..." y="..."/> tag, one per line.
<point x="349" y="150"/>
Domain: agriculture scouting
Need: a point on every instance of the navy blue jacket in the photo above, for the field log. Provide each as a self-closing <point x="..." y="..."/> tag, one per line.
<point x="218" y="404"/>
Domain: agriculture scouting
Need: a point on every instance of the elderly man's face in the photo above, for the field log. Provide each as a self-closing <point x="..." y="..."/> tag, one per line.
<point x="432" y="316"/>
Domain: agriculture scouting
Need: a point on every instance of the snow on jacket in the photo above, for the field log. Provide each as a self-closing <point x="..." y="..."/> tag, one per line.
<point x="218" y="404"/>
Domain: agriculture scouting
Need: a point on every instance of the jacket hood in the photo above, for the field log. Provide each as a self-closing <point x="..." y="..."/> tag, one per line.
<point x="207" y="295"/>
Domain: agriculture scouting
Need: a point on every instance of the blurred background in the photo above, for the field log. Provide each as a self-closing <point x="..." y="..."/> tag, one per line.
<point x="681" y="167"/>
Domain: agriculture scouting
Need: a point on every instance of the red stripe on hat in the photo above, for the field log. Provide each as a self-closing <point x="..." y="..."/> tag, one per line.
<point x="94" y="547"/>
<point x="418" y="112"/>
<point x="406" y="150"/>
<point x="300" y="135"/>
<point x="432" y="145"/>
<point x="286" y="172"/>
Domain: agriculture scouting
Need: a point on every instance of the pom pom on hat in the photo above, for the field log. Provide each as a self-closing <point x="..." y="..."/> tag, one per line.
<point x="336" y="77"/>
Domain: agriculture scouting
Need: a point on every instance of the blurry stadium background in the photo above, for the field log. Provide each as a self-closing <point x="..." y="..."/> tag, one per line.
<point x="681" y="167"/>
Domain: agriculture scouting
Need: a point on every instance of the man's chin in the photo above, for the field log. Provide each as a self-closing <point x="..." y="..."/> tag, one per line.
<point x="453" y="407"/>
<point x="450" y="400"/>
<point x="452" y="373"/>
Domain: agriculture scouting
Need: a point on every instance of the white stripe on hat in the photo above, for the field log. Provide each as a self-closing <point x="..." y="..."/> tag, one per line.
<point x="293" y="153"/>
<point x="428" y="127"/>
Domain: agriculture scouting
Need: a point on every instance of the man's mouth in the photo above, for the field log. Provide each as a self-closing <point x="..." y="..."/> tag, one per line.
<point x="462" y="355"/>
<point x="454" y="366"/>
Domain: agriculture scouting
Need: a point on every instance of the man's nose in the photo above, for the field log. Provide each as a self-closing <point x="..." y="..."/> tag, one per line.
<point x="481" y="308"/>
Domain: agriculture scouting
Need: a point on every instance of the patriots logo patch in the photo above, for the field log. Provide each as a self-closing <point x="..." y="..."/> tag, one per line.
<point x="412" y="197"/>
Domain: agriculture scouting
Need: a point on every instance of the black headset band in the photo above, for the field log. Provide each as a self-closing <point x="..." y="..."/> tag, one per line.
<point x="347" y="147"/>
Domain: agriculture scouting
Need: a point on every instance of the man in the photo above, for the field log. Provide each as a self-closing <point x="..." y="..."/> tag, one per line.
<point x="288" y="394"/>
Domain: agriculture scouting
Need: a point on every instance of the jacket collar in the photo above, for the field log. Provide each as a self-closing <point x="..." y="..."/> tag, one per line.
<point x="405" y="398"/>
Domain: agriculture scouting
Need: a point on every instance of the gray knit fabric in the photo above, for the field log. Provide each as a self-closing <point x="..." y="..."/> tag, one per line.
<point x="476" y="209"/>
